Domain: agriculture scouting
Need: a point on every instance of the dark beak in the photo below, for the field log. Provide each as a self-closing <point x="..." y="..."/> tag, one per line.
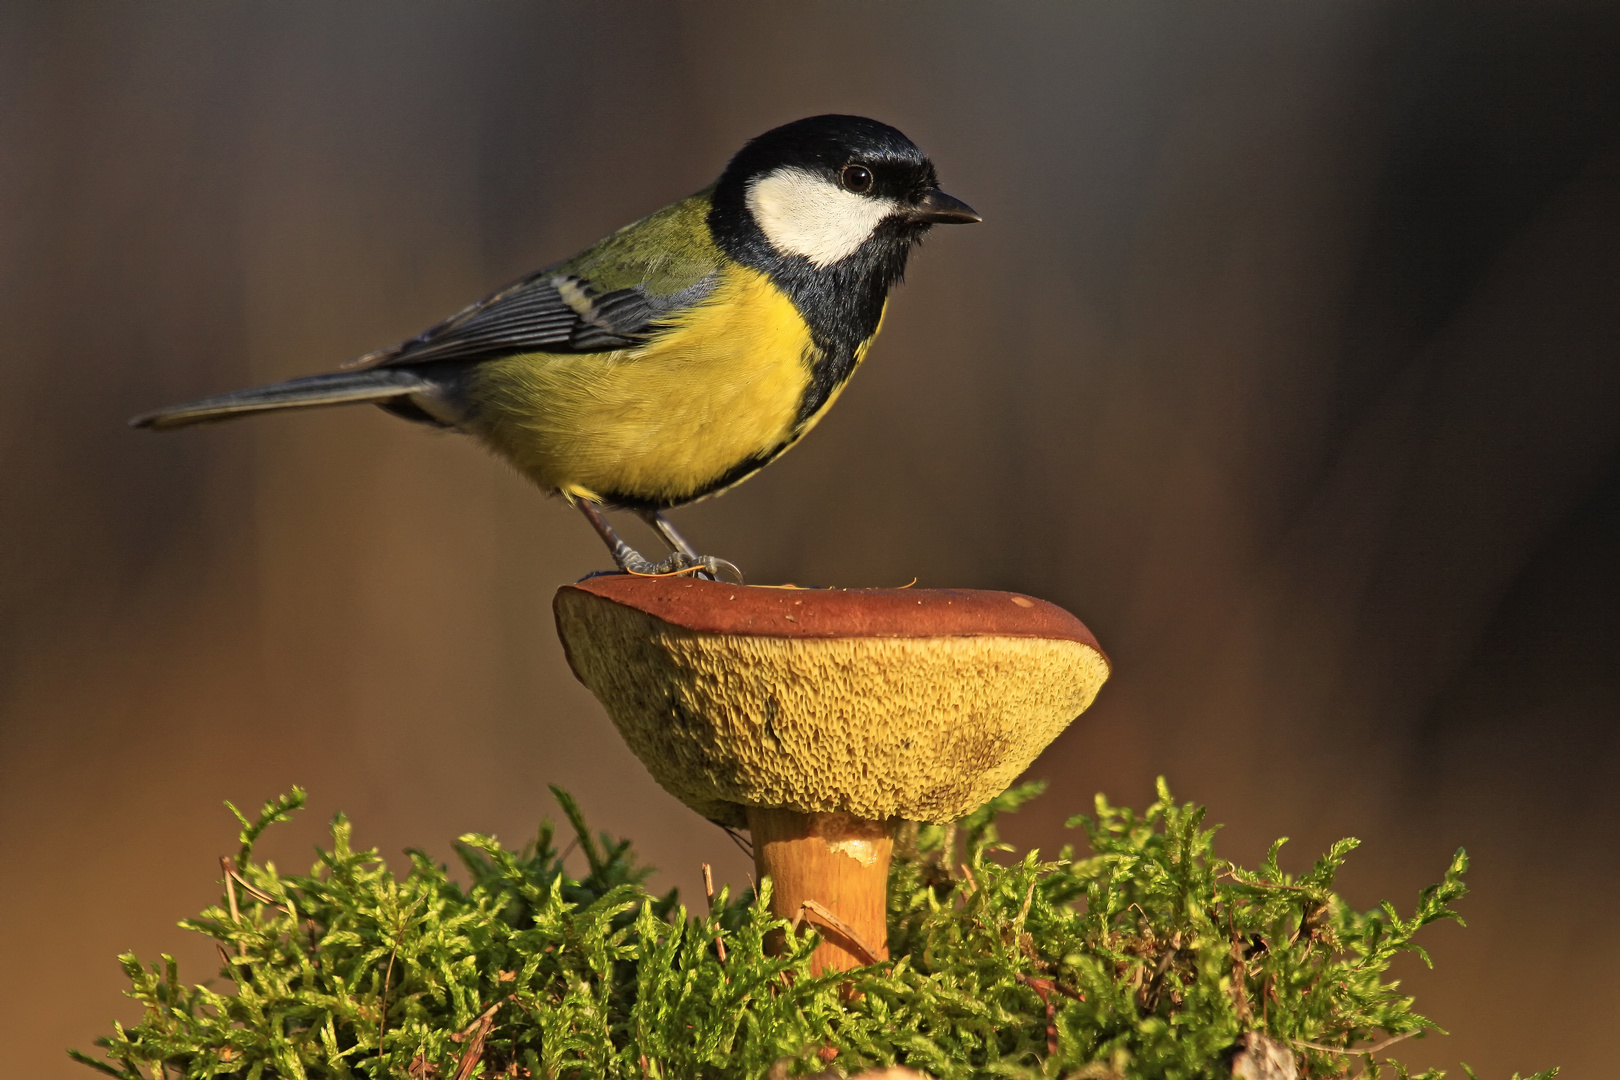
<point x="938" y="208"/>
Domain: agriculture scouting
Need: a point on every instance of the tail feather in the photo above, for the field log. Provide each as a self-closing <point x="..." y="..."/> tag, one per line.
<point x="311" y="392"/>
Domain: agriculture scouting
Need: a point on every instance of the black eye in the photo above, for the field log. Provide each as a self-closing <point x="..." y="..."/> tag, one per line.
<point x="856" y="178"/>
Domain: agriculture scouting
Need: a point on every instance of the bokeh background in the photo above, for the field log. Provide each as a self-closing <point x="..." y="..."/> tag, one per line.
<point x="1285" y="356"/>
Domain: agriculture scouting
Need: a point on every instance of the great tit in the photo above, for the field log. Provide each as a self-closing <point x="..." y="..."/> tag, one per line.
<point x="676" y="357"/>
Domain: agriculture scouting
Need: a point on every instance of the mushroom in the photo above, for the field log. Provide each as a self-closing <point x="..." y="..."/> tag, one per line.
<point x="820" y="718"/>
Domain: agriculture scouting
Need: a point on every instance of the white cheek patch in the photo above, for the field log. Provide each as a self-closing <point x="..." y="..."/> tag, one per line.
<point x="802" y="213"/>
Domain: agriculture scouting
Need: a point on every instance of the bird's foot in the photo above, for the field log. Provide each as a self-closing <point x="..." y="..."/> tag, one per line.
<point x="682" y="560"/>
<point x="708" y="566"/>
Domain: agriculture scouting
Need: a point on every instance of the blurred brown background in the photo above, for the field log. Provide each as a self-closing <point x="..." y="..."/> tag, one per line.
<point x="1286" y="357"/>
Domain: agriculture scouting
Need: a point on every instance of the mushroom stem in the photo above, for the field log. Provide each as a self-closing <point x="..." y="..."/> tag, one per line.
<point x="832" y="871"/>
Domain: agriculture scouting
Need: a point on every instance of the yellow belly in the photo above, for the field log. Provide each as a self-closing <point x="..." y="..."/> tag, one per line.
<point x="661" y="422"/>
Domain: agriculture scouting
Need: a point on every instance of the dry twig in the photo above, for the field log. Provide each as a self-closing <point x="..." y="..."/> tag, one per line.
<point x="1355" y="1051"/>
<point x="1042" y="987"/>
<point x="474" y="1034"/>
<point x="833" y="922"/>
<point x="257" y="894"/>
<point x="708" y="891"/>
<point x="230" y="895"/>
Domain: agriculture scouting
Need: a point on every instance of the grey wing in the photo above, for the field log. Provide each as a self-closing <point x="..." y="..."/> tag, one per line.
<point x="548" y="311"/>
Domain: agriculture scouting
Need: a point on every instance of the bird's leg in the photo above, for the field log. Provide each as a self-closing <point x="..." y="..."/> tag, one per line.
<point x="666" y="532"/>
<point x="625" y="557"/>
<point x="683" y="558"/>
<point x="711" y="566"/>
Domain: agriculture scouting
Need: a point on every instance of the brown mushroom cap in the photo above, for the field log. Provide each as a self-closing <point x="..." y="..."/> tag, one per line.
<point x="881" y="703"/>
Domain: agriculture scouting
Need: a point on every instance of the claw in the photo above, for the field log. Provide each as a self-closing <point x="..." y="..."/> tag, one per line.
<point x="722" y="570"/>
<point x="709" y="566"/>
<point x="682" y="559"/>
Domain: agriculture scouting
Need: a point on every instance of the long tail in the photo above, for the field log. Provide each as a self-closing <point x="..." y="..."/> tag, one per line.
<point x="341" y="388"/>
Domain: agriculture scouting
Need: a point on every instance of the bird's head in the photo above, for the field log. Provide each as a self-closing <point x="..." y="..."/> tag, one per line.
<point x="828" y="190"/>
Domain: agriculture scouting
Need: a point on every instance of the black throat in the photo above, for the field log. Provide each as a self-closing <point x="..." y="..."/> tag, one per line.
<point x="841" y="303"/>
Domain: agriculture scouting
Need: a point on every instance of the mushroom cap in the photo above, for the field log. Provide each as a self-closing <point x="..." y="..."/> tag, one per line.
<point x="919" y="704"/>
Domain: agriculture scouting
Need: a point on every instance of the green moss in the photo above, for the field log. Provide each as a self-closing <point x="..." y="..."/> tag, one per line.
<point x="1147" y="959"/>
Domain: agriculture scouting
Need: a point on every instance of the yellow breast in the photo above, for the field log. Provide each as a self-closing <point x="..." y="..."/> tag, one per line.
<point x="661" y="422"/>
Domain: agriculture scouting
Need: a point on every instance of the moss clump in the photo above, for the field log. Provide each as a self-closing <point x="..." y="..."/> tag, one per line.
<point x="1151" y="958"/>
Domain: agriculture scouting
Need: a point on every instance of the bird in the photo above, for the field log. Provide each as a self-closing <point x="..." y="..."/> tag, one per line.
<point x="676" y="357"/>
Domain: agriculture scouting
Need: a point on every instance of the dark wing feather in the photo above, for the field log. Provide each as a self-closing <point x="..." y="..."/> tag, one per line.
<point x="611" y="296"/>
<point x="533" y="315"/>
